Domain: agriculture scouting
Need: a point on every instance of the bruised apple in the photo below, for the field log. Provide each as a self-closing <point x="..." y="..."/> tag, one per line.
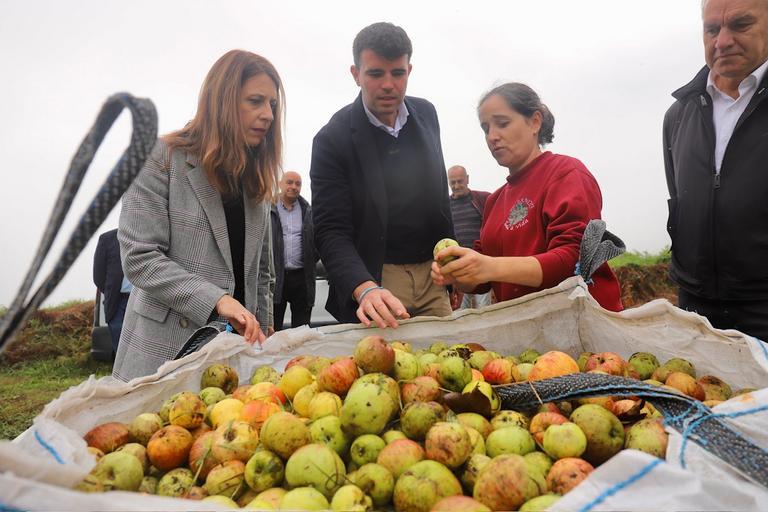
<point x="448" y="443"/>
<point x="169" y="447"/>
<point x="373" y="354"/>
<point x="648" y="436"/>
<point x="187" y="411"/>
<point x="686" y="384"/>
<point x="236" y="440"/>
<point x="108" y="437"/>
<point x="284" y="433"/>
<point x="221" y="376"/>
<point x="420" y="389"/>
<point x="609" y="362"/>
<point x="504" y="483"/>
<point x="201" y="458"/>
<point x="565" y="474"/>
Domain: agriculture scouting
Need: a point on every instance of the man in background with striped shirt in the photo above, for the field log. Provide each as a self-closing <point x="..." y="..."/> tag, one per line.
<point x="467" y="211"/>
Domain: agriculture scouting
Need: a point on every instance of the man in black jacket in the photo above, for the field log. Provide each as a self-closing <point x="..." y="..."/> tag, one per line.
<point x="293" y="247"/>
<point x="379" y="192"/>
<point x="716" y="160"/>
<point x="109" y="279"/>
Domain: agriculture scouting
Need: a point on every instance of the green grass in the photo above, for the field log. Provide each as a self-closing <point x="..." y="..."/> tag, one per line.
<point x="640" y="258"/>
<point x="26" y="387"/>
<point x="50" y="355"/>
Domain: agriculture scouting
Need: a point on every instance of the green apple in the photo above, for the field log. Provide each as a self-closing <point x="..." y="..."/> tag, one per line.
<point x="442" y="244"/>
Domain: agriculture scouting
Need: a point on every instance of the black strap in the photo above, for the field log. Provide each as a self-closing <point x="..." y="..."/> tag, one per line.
<point x="202" y="336"/>
<point x="690" y="417"/>
<point x="598" y="245"/>
<point x="143" y="139"/>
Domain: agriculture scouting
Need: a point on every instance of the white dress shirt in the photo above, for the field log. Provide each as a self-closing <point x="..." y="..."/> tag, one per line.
<point x="402" y="117"/>
<point x="726" y="111"/>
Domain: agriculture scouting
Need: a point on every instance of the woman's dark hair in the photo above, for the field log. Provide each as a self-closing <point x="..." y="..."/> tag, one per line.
<point x="524" y="100"/>
<point x="384" y="39"/>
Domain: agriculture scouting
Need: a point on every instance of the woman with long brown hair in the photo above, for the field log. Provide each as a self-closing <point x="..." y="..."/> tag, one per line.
<point x="194" y="227"/>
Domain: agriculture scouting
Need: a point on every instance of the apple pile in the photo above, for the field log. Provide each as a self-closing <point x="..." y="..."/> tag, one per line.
<point x="376" y="430"/>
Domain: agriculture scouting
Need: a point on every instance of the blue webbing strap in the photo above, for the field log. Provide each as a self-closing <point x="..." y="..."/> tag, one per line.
<point x="681" y="413"/>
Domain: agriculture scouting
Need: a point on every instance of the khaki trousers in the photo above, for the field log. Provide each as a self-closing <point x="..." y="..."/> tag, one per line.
<point x="412" y="284"/>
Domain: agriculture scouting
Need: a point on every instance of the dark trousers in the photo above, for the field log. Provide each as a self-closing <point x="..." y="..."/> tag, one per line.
<point x="115" y="324"/>
<point x="295" y="293"/>
<point x="747" y="316"/>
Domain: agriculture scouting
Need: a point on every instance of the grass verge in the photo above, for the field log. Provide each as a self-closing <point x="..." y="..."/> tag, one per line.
<point x="50" y="355"/>
<point x="641" y="258"/>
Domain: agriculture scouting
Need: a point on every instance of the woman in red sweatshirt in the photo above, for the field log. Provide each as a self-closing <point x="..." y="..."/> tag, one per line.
<point x="532" y="225"/>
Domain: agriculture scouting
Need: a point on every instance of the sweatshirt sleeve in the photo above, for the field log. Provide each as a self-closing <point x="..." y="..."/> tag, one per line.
<point x="571" y="202"/>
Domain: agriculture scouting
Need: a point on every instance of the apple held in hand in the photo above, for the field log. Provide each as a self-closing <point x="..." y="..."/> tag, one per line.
<point x="442" y="244"/>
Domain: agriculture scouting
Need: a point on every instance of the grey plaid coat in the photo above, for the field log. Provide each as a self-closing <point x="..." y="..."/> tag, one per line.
<point x="175" y="250"/>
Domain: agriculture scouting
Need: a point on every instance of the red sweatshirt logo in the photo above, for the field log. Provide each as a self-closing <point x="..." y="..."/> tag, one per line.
<point x="518" y="214"/>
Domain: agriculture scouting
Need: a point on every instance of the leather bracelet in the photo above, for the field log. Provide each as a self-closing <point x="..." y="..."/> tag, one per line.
<point x="366" y="291"/>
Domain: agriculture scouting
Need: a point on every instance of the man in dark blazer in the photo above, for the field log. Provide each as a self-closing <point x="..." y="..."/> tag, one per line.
<point x="379" y="191"/>
<point x="293" y="248"/>
<point x="108" y="278"/>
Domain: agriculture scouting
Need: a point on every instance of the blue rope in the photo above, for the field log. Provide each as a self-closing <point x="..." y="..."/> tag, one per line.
<point x="8" y="508"/>
<point x="577" y="272"/>
<point x="675" y="419"/>
<point x="48" y="447"/>
<point x="695" y="423"/>
<point x="620" y="486"/>
<point x="763" y="346"/>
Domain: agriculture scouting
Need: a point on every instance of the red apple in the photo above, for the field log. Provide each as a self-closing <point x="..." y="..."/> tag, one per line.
<point x="553" y="364"/>
<point x="565" y="474"/>
<point x="338" y="377"/>
<point x="541" y="421"/>
<point x="498" y="371"/>
<point x="108" y="437"/>
<point x="609" y="362"/>
<point x="374" y="355"/>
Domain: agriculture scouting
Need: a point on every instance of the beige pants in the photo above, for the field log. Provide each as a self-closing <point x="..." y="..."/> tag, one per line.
<point x="412" y="284"/>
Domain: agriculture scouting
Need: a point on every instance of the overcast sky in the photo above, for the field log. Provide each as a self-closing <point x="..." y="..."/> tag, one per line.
<point x="605" y="68"/>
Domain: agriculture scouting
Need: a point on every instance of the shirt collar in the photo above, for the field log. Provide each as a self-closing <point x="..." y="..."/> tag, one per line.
<point x="751" y="81"/>
<point x="402" y="117"/>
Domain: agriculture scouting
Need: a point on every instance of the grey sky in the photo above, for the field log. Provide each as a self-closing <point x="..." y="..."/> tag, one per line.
<point x="605" y="68"/>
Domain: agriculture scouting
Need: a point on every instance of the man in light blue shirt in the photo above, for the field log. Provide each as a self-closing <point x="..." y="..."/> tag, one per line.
<point x="294" y="253"/>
